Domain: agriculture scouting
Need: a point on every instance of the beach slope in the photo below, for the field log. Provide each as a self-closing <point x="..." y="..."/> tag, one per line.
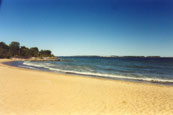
<point x="31" y="92"/>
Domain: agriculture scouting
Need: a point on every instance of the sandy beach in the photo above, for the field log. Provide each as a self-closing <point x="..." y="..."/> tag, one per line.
<point x="31" y="92"/>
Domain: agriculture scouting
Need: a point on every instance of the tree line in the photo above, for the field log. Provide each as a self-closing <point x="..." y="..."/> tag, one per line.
<point x="15" y="50"/>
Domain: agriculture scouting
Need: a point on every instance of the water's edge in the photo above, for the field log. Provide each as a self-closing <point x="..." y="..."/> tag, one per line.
<point x="122" y="78"/>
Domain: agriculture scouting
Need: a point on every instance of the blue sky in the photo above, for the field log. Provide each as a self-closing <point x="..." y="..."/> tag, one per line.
<point x="90" y="27"/>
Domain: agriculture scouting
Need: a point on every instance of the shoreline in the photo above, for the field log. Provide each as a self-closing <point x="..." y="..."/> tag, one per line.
<point x="26" y="91"/>
<point x="120" y="78"/>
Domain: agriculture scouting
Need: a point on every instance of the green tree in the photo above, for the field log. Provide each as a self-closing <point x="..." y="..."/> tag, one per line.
<point x="45" y="53"/>
<point x="24" y="52"/>
<point x="4" y="49"/>
<point x="34" y="52"/>
<point x="14" y="49"/>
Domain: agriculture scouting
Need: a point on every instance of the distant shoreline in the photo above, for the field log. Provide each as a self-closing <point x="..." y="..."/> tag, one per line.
<point x="118" y="56"/>
<point x="33" y="59"/>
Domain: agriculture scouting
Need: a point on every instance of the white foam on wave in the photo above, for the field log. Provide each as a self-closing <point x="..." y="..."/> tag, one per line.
<point x="47" y="66"/>
<point x="27" y="67"/>
<point x="32" y="64"/>
<point x="114" y="76"/>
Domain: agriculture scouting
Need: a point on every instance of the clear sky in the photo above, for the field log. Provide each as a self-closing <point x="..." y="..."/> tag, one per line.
<point x="90" y="27"/>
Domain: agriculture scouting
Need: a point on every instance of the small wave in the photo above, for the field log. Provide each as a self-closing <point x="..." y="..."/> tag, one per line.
<point x="115" y="76"/>
<point x="27" y="67"/>
<point x="32" y="64"/>
<point x="47" y="66"/>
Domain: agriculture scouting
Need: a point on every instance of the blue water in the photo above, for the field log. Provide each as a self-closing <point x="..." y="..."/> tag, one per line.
<point x="139" y="69"/>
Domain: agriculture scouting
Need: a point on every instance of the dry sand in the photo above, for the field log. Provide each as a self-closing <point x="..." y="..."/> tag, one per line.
<point x="30" y="92"/>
